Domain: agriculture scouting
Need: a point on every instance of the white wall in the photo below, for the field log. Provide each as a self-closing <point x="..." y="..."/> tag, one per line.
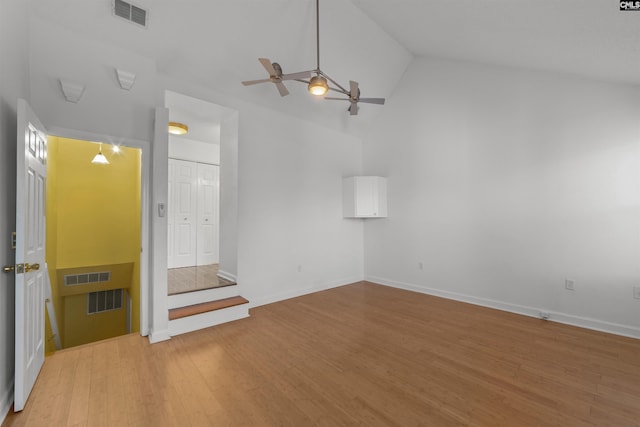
<point x="195" y="151"/>
<point x="292" y="238"/>
<point x="14" y="84"/>
<point x="503" y="183"/>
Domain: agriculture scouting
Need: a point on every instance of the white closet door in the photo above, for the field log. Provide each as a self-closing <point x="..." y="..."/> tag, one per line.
<point x="184" y="213"/>
<point x="208" y="214"/>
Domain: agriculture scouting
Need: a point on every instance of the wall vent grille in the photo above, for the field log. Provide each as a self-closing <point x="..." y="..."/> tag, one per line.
<point x="86" y="278"/>
<point x="130" y="12"/>
<point x="101" y="301"/>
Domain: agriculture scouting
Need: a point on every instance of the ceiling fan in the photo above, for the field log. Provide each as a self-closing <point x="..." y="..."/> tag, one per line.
<point x="318" y="85"/>
<point x="354" y="98"/>
<point x="275" y="76"/>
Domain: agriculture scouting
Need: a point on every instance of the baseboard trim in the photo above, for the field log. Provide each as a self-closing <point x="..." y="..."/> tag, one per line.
<point x="567" y="319"/>
<point x="159" y="336"/>
<point x="294" y="293"/>
<point x="206" y="320"/>
<point x="227" y="276"/>
<point x="6" y="402"/>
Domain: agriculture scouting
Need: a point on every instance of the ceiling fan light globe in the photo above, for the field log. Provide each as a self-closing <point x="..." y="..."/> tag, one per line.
<point x="318" y="86"/>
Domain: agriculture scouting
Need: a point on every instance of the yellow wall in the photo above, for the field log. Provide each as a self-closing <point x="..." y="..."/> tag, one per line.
<point x="92" y="327"/>
<point x="93" y="219"/>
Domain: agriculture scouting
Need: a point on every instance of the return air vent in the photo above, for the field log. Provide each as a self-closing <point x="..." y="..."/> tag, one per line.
<point x="101" y="301"/>
<point x="130" y="12"/>
<point x="86" y="278"/>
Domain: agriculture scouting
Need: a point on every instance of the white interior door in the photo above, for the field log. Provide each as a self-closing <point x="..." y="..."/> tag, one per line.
<point x="208" y="214"/>
<point x="184" y="211"/>
<point x="30" y="252"/>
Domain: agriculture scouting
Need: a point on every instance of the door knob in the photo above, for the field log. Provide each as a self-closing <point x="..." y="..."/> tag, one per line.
<point x="29" y="267"/>
<point x="20" y="268"/>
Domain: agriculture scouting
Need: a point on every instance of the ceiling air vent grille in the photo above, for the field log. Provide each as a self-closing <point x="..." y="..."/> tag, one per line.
<point x="130" y="12"/>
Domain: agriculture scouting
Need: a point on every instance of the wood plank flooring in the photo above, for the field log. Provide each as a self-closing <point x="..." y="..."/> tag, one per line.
<point x="190" y="310"/>
<point x="361" y="354"/>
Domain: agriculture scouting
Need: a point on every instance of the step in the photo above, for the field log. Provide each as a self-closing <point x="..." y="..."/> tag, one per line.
<point x="204" y="295"/>
<point x="199" y="316"/>
<point x="190" y="310"/>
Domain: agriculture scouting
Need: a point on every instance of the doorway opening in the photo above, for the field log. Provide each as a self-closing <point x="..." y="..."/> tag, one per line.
<point x="93" y="242"/>
<point x="195" y="239"/>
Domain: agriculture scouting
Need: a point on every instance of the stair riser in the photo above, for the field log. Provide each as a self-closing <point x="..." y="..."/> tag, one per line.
<point x="205" y="320"/>
<point x="206" y="295"/>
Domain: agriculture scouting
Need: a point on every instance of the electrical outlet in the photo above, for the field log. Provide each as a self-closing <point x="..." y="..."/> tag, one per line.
<point x="636" y="292"/>
<point x="299" y="268"/>
<point x="569" y="285"/>
<point x="544" y="315"/>
<point x="420" y="265"/>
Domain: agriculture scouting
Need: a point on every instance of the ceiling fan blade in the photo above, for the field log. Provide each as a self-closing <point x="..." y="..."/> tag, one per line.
<point x="267" y="66"/>
<point x="353" y="109"/>
<point x="379" y="101"/>
<point x="336" y="99"/>
<point x="282" y="89"/>
<point x="294" y="76"/>
<point x="255" y="82"/>
<point x="353" y="89"/>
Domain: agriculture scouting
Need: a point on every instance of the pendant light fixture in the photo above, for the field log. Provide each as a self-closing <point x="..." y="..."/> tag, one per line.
<point x="318" y="84"/>
<point x="100" y="158"/>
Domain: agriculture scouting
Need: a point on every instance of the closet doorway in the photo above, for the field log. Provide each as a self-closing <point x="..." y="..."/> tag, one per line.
<point x="195" y="241"/>
<point x="194" y="226"/>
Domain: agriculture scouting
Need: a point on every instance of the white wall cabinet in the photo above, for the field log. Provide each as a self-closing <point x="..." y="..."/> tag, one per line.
<point x="364" y="197"/>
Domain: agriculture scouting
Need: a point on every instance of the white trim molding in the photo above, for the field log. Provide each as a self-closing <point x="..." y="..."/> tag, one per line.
<point x="568" y="319"/>
<point x="208" y="319"/>
<point x="159" y="336"/>
<point x="227" y="276"/>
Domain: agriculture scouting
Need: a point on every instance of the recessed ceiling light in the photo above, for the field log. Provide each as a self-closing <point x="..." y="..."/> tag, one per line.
<point x="176" y="128"/>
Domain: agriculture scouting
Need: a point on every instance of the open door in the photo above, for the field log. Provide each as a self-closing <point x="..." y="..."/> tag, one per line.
<point x="29" y="268"/>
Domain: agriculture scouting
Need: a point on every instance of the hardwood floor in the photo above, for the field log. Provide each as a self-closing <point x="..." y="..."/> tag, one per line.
<point x="361" y="354"/>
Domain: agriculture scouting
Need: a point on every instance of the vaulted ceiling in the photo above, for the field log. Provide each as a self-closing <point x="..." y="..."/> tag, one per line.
<point x="216" y="44"/>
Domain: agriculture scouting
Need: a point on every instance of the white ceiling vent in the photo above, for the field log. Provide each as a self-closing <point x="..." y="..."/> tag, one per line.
<point x="130" y="12"/>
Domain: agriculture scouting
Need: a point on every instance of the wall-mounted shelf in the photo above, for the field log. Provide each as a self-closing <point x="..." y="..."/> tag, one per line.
<point x="364" y="197"/>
